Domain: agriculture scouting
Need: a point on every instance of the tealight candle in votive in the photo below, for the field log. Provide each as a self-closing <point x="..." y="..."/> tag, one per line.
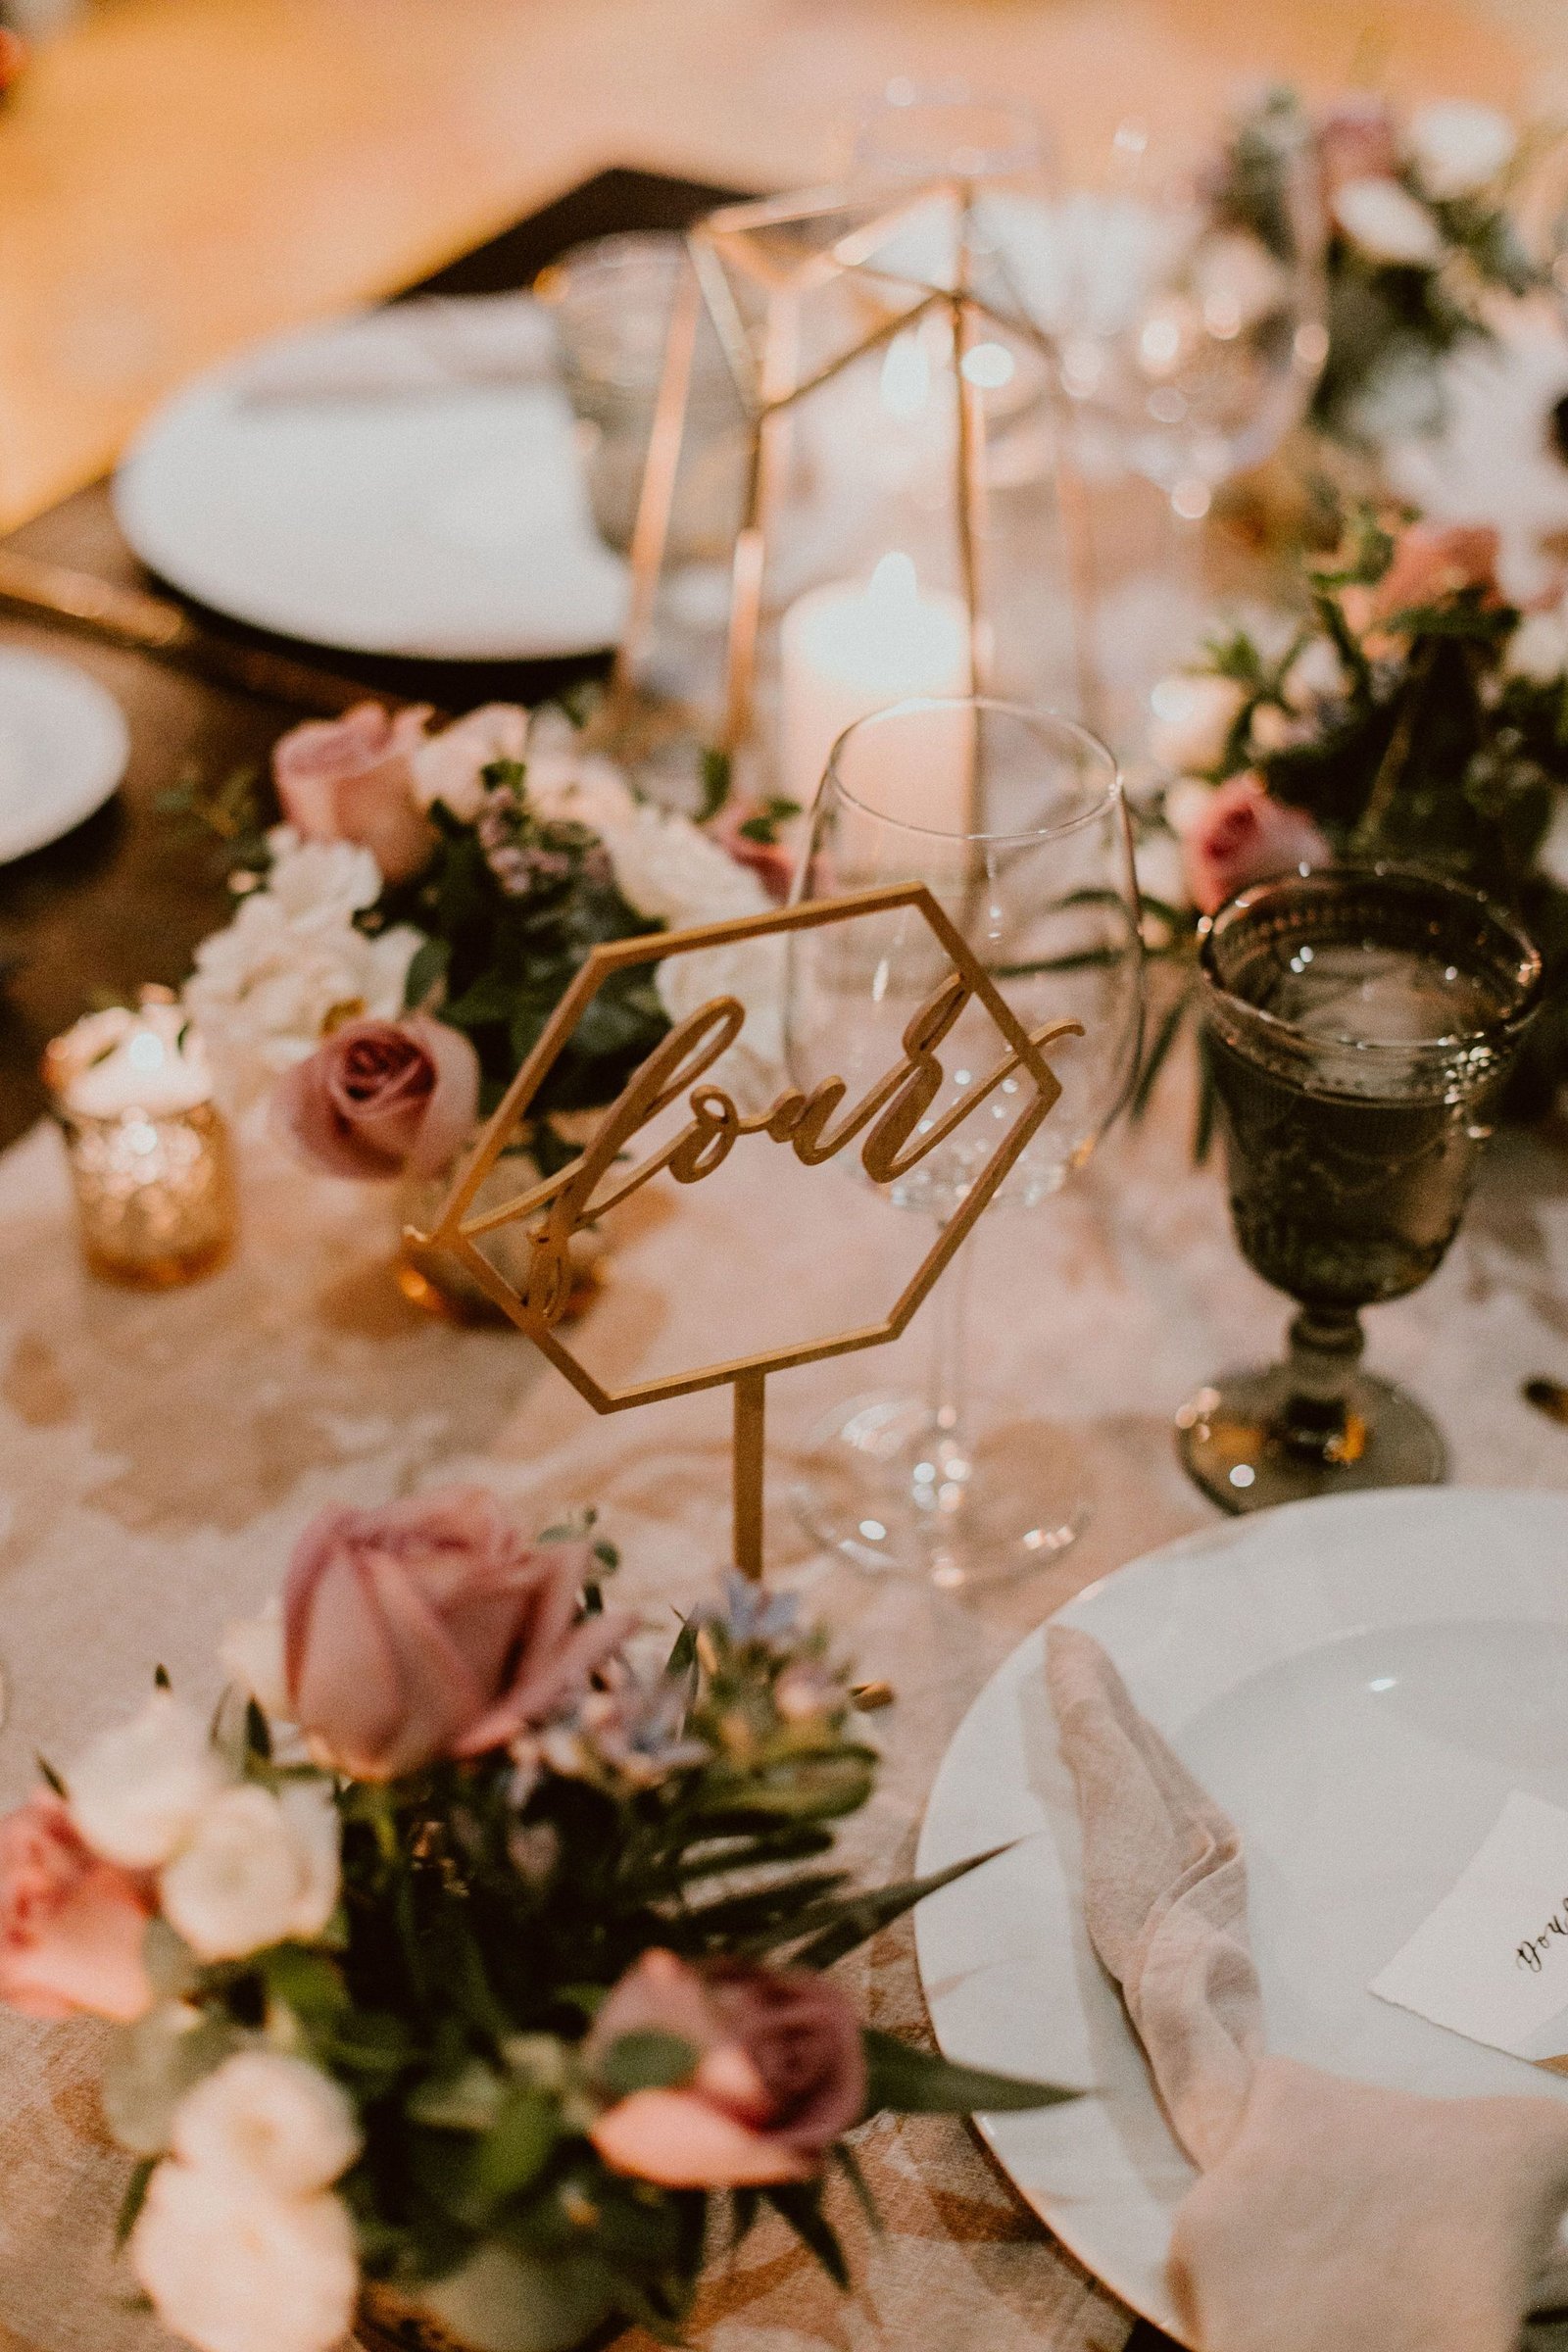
<point x="148" y="1148"/>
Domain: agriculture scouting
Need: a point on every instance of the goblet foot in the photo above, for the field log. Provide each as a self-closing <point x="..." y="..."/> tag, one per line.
<point x="886" y="1484"/>
<point x="1237" y="1443"/>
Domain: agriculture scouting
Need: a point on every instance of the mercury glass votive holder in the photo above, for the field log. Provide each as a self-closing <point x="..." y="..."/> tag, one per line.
<point x="151" y="1162"/>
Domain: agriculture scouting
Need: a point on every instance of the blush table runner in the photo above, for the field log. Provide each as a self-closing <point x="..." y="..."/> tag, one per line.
<point x="159" y="1456"/>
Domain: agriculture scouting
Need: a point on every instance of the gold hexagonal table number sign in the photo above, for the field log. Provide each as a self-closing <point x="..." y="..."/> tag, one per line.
<point x="888" y="1123"/>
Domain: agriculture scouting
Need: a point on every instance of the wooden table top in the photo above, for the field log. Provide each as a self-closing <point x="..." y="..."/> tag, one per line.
<point x="180" y="176"/>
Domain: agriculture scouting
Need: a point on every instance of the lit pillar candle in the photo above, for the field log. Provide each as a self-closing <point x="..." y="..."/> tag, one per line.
<point x="848" y="650"/>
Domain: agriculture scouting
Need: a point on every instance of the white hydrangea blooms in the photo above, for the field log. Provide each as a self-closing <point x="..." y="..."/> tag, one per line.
<point x="267" y="986"/>
<point x="241" y="2243"/>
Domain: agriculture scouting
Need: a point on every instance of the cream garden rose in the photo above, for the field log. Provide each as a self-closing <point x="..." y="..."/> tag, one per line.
<point x="138" y="1791"/>
<point x="234" y="2268"/>
<point x="269" y="2120"/>
<point x="258" y="1869"/>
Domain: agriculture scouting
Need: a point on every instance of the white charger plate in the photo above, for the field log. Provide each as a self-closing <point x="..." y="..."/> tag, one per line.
<point x="1361" y="1683"/>
<point x="404" y="482"/>
<point x="64" y="745"/>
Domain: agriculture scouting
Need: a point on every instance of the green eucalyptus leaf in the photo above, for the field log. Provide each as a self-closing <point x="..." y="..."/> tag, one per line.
<point x="135" y="2196"/>
<point x="801" y="2204"/>
<point x="513" y="2154"/>
<point x="501" y="2300"/>
<point x="154" y="2064"/>
<point x="469" y="2100"/>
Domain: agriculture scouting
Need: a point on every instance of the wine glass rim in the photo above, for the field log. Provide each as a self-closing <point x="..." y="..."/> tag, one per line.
<point x="1378" y="870"/>
<point x="1032" y="713"/>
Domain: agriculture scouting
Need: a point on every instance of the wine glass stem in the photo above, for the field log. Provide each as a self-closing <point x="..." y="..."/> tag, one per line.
<point x="947" y="1388"/>
<point x="1326" y="1345"/>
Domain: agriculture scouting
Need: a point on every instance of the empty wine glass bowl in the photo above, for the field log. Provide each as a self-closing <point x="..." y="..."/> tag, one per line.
<point x="1013" y="820"/>
<point x="1359" y="1025"/>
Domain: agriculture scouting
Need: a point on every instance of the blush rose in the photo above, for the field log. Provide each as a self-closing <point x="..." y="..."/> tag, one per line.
<point x="380" y="1098"/>
<point x="71" y="1924"/>
<point x="778" y="2074"/>
<point x="1243" y="836"/>
<point x="430" y="1629"/>
<point x="353" y="779"/>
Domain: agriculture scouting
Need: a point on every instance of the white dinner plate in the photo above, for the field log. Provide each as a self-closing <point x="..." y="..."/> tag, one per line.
<point x="64" y="745"/>
<point x="404" y="481"/>
<point x="1361" y="1683"/>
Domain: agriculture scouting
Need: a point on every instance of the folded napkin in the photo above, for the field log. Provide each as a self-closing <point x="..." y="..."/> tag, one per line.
<point x="435" y="343"/>
<point x="1332" y="2216"/>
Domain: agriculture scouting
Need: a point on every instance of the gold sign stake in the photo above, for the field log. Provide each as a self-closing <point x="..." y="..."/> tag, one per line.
<point x="889" y="1124"/>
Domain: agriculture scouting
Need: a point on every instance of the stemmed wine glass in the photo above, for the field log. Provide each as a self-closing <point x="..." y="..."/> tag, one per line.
<point x="1014" y="820"/>
<point x="1359" y="1025"/>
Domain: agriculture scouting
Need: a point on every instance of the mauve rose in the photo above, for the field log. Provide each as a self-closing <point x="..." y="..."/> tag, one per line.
<point x="382" y="1097"/>
<point x="1242" y="837"/>
<point x="70" y="1925"/>
<point x="431" y="1629"/>
<point x="1355" y="140"/>
<point x="352" y="779"/>
<point x="772" y="861"/>
<point x="780" y="2073"/>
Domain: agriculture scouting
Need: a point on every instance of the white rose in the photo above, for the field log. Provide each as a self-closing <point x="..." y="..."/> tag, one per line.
<point x="566" y="784"/>
<point x="1538" y="650"/>
<point x="258" y="1870"/>
<point x="252" y="1651"/>
<point x="1316" y="675"/>
<point x="138" y="1790"/>
<point x="1272" y="729"/>
<point x="1387" y="224"/>
<point x="321" y="884"/>
<point x="276" y="2123"/>
<point x="265" y="989"/>
<point x="1238" y="282"/>
<point x="671" y="872"/>
<point x="232" y="2269"/>
<point x="1458" y="146"/>
<point x="450" y="766"/>
<point x="1192" y="722"/>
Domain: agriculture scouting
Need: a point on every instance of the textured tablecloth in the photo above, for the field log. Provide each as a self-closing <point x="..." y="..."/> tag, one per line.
<point x="159" y="1455"/>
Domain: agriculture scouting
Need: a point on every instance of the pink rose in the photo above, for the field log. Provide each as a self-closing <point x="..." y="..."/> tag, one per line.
<point x="352" y="779"/>
<point x="1355" y="140"/>
<point x="430" y="1629"/>
<point x="779" y="2073"/>
<point x="70" y="1925"/>
<point x="380" y="1098"/>
<point x="1242" y="837"/>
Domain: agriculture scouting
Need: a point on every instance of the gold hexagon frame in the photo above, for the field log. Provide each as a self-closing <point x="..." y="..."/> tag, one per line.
<point x="460" y="1233"/>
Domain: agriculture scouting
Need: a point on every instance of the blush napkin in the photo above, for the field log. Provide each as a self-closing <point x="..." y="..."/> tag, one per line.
<point x="1332" y="2216"/>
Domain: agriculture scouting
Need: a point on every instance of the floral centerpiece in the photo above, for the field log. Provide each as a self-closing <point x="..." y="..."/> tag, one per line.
<point x="1415" y="715"/>
<point x="402" y="938"/>
<point x="1419" y="239"/>
<point x="469" y="1961"/>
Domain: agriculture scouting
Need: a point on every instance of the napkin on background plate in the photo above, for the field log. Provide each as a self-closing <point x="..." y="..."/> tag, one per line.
<point x="1332" y="2216"/>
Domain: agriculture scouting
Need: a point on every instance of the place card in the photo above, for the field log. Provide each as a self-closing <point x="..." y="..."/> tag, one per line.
<point x="1491" y="1961"/>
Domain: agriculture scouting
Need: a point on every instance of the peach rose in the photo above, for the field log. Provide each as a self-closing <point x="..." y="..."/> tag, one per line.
<point x="1431" y="561"/>
<point x="772" y="861"/>
<point x="380" y="1098"/>
<point x="352" y="779"/>
<point x="70" y="1925"/>
<point x="778" y="2073"/>
<point x="430" y="1629"/>
<point x="1243" y="836"/>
